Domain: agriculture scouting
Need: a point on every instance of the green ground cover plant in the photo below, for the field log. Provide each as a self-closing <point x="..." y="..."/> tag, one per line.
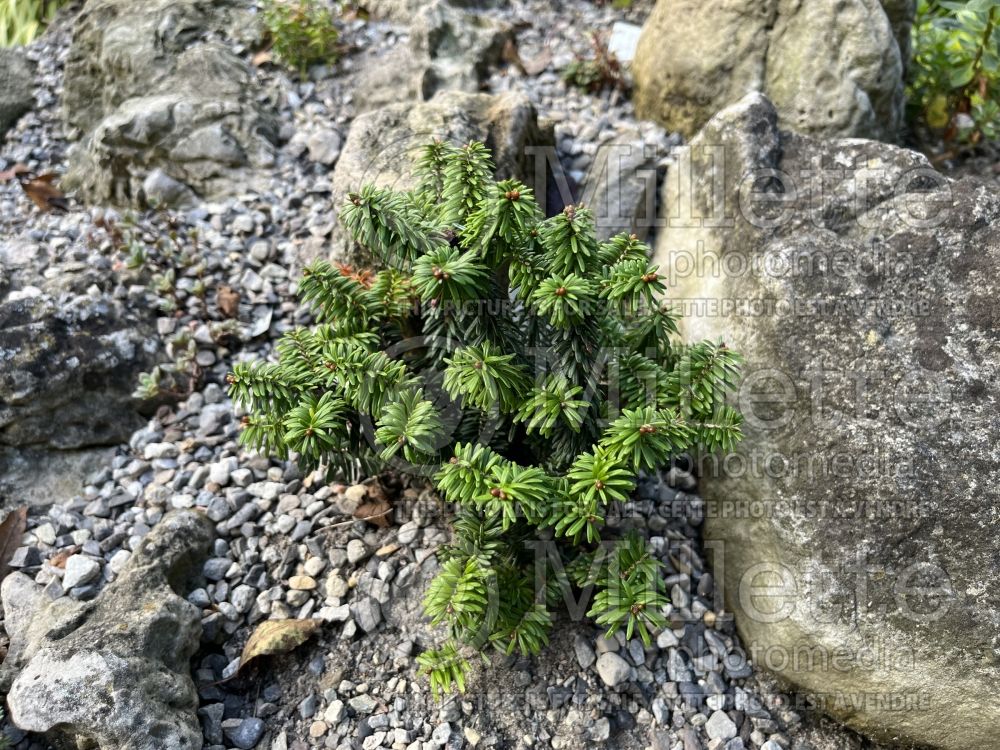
<point x="303" y="32"/>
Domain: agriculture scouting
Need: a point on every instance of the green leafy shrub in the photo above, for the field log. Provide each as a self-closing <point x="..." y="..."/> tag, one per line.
<point x="954" y="80"/>
<point x="530" y="368"/>
<point x="23" y="20"/>
<point x="302" y="32"/>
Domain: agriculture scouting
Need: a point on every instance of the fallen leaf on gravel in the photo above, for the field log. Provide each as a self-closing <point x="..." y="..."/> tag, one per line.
<point x="39" y="188"/>
<point x="59" y="560"/>
<point x="11" y="532"/>
<point x="228" y="301"/>
<point x="378" y="512"/>
<point x="262" y="58"/>
<point x="277" y="637"/>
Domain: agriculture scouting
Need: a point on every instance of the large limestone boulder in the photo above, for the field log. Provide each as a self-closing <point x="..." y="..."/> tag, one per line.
<point x="855" y="529"/>
<point x="381" y="146"/>
<point x="112" y="673"/>
<point x="832" y="69"/>
<point x="17" y="87"/>
<point x="151" y="96"/>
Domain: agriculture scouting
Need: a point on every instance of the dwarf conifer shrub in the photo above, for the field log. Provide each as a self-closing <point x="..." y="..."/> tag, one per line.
<point x="530" y="369"/>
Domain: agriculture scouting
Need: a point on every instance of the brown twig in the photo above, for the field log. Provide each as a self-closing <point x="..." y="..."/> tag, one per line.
<point x="341" y="524"/>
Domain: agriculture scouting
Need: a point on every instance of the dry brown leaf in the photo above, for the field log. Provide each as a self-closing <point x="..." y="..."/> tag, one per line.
<point x="44" y="194"/>
<point x="228" y="301"/>
<point x="277" y="637"/>
<point x="59" y="560"/>
<point x="378" y="512"/>
<point x="263" y="57"/>
<point x="11" y="534"/>
<point x="376" y="491"/>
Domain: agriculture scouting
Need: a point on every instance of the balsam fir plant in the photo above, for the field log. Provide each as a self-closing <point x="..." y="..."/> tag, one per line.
<point x="530" y="369"/>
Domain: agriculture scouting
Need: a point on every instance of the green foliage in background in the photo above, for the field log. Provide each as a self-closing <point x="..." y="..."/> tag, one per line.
<point x="23" y="20"/>
<point x="531" y="369"/>
<point x="954" y="81"/>
<point x="302" y="32"/>
<point x="599" y="70"/>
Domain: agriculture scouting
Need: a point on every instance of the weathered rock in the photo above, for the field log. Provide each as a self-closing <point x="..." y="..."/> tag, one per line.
<point x="865" y="296"/>
<point x="160" y="189"/>
<point x="832" y="69"/>
<point x="403" y="11"/>
<point x="620" y="186"/>
<point x="52" y="360"/>
<point x="112" y="673"/>
<point x="70" y="350"/>
<point x="386" y="78"/>
<point x="17" y="87"/>
<point x="37" y="477"/>
<point x="624" y="41"/>
<point x="150" y="94"/>
<point x="458" y="45"/>
<point x="451" y="48"/>
<point x="381" y="145"/>
<point x="80" y="570"/>
<point x="612" y="668"/>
